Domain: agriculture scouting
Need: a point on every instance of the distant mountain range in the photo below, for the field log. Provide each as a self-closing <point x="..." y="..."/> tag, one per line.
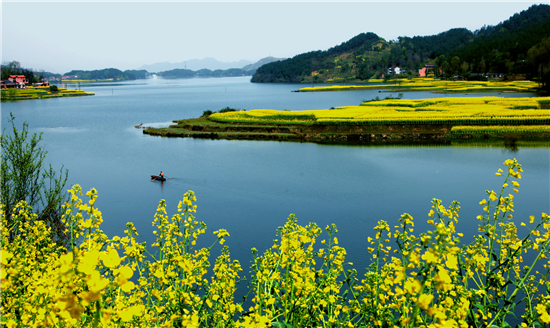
<point x="259" y="63"/>
<point x="516" y="46"/>
<point x="195" y="65"/>
<point x="247" y="70"/>
<point x="118" y="75"/>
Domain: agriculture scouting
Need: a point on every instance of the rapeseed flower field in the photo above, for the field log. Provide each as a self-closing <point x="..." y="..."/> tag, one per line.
<point x="40" y="93"/>
<point x="452" y="110"/>
<point x="431" y="84"/>
<point x="416" y="279"/>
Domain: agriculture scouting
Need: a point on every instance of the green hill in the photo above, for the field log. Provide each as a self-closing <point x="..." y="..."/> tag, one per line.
<point x="499" y="49"/>
<point x="101" y="74"/>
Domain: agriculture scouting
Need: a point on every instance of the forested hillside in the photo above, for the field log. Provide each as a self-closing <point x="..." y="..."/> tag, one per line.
<point x="504" y="47"/>
<point x="501" y="49"/>
<point x="102" y="74"/>
<point x="14" y="68"/>
<point x="301" y="66"/>
<point x="187" y="73"/>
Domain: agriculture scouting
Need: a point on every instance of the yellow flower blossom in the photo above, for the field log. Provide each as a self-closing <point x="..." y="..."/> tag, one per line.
<point x="110" y="259"/>
<point x="424" y="301"/>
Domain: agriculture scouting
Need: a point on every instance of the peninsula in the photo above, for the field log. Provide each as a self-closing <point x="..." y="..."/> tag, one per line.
<point x="436" y="119"/>
<point x="41" y="93"/>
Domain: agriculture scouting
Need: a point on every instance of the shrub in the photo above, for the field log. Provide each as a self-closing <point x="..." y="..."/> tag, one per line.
<point x="53" y="88"/>
<point x="227" y="109"/>
<point x="24" y="177"/>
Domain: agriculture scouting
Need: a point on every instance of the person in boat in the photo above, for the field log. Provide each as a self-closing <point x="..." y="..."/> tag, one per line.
<point x="161" y="175"/>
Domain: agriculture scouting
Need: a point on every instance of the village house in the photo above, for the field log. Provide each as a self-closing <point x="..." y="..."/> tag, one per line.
<point x="42" y="83"/>
<point x="7" y="84"/>
<point x="428" y="69"/>
<point x="20" y="81"/>
<point x="495" y="75"/>
<point x="394" y="70"/>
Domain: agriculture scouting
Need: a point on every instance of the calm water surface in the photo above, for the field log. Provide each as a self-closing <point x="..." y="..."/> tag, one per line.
<point x="250" y="187"/>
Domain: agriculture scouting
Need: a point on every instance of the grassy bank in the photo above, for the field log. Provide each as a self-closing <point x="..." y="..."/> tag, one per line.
<point x="430" y="84"/>
<point x="40" y="93"/>
<point x="391" y="119"/>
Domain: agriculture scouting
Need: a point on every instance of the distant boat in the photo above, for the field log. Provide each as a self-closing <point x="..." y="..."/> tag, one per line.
<point x="156" y="177"/>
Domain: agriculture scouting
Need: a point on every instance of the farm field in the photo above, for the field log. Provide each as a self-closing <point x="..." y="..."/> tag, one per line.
<point x="397" y="119"/>
<point x="476" y="111"/>
<point x="431" y="84"/>
<point x="40" y="93"/>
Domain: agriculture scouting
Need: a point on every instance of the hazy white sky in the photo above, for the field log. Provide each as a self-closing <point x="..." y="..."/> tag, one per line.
<point x="61" y="36"/>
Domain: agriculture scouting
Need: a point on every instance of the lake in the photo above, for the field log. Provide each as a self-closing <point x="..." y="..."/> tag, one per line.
<point x="251" y="187"/>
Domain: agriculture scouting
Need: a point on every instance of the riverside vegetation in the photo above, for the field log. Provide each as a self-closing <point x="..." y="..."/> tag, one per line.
<point x="426" y="279"/>
<point x="390" y="119"/>
<point x="41" y="93"/>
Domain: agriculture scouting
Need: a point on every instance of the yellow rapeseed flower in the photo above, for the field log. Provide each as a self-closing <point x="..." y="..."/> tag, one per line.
<point x="96" y="282"/>
<point x="430" y="257"/>
<point x="88" y="263"/>
<point x="442" y="279"/>
<point x="412" y="286"/>
<point x="544" y="317"/>
<point x="110" y="259"/>
<point x="424" y="301"/>
<point x="452" y="262"/>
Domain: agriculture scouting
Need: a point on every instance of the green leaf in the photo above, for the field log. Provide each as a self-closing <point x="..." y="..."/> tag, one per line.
<point x="479" y="306"/>
<point x="281" y="325"/>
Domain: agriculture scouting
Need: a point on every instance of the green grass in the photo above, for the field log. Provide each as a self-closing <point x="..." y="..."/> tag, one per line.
<point x="501" y="129"/>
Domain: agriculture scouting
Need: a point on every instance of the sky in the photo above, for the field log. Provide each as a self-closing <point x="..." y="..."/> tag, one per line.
<point x="65" y="35"/>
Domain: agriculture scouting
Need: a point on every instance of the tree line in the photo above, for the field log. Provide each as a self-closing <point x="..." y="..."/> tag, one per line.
<point x="102" y="74"/>
<point x="187" y="73"/>
<point x="14" y="68"/>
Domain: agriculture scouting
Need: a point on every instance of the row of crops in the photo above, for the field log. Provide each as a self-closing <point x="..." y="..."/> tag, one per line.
<point x="424" y="84"/>
<point x="501" y="129"/>
<point x="266" y="116"/>
<point x="455" y="111"/>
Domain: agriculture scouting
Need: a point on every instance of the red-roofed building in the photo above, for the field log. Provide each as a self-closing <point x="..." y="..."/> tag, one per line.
<point x="20" y="81"/>
<point x="42" y="83"/>
<point x="427" y="69"/>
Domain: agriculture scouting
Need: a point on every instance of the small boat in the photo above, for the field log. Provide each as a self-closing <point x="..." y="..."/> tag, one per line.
<point x="156" y="177"/>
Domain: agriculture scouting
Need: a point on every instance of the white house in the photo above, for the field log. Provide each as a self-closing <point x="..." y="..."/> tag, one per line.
<point x="394" y="70"/>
